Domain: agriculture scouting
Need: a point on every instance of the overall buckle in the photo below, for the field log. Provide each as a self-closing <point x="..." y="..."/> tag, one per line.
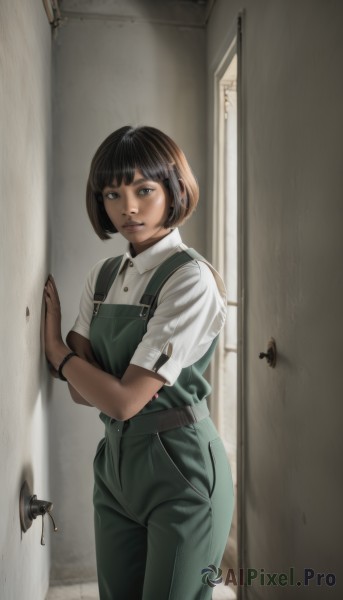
<point x="144" y="310"/>
<point x="146" y="300"/>
<point x="97" y="300"/>
<point x="96" y="307"/>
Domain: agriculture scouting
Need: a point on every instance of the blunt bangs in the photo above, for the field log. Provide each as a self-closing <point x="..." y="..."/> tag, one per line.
<point x="118" y="165"/>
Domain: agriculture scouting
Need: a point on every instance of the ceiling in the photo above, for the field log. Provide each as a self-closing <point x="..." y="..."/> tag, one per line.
<point x="191" y="13"/>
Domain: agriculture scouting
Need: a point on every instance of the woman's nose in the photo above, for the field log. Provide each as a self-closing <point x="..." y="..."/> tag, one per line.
<point x="129" y="205"/>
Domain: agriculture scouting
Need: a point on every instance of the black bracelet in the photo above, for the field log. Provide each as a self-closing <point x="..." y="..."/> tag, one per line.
<point x="66" y="358"/>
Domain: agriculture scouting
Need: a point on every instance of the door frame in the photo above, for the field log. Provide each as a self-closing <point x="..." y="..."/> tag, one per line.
<point x="234" y="45"/>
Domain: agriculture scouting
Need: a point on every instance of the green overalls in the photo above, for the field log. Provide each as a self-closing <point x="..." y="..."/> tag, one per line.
<point x="163" y="493"/>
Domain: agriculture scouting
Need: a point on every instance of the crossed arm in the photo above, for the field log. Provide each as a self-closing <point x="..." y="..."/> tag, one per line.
<point x="82" y="347"/>
<point x="88" y="384"/>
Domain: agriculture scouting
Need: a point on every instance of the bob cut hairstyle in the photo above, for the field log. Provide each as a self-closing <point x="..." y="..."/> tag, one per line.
<point x="157" y="157"/>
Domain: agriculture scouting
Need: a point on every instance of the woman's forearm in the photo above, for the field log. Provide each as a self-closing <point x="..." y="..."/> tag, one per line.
<point x="120" y="399"/>
<point x="87" y="384"/>
<point x="77" y="398"/>
<point x="83" y="350"/>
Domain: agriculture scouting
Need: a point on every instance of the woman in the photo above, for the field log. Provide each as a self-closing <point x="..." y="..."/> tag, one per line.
<point x="145" y="333"/>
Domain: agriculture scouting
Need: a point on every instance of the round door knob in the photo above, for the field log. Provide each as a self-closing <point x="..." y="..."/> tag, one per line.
<point x="270" y="355"/>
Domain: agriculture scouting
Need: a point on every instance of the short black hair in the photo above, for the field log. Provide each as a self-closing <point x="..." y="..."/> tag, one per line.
<point x="156" y="156"/>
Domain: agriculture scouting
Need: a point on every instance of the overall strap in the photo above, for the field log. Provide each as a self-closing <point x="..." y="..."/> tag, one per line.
<point x="159" y="278"/>
<point x="104" y="281"/>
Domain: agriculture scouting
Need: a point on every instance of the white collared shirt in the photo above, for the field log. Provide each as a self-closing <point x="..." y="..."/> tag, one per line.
<point x="190" y="312"/>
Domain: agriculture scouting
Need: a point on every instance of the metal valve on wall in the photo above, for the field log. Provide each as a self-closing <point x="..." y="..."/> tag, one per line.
<point x="30" y="508"/>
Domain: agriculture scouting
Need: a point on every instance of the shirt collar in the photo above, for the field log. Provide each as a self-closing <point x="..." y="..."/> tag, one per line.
<point x="155" y="255"/>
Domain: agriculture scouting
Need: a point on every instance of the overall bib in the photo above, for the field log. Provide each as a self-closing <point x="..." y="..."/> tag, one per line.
<point x="163" y="492"/>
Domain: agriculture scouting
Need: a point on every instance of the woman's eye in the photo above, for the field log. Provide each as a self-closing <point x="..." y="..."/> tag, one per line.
<point x="112" y="195"/>
<point x="145" y="191"/>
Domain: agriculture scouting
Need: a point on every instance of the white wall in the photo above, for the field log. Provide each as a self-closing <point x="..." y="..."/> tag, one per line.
<point x="293" y="98"/>
<point x="108" y="73"/>
<point x="25" y="157"/>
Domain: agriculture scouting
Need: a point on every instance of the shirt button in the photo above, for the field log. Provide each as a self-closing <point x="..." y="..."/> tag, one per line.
<point x="130" y="263"/>
<point x="126" y="289"/>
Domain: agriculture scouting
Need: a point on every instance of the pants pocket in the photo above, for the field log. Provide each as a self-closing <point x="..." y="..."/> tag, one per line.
<point x="183" y="458"/>
<point x="222" y="493"/>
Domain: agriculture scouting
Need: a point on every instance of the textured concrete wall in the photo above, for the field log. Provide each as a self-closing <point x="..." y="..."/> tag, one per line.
<point x="25" y="99"/>
<point x="293" y="140"/>
<point x="108" y="73"/>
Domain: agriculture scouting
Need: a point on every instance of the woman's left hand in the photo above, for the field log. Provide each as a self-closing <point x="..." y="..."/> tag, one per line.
<point x="53" y="337"/>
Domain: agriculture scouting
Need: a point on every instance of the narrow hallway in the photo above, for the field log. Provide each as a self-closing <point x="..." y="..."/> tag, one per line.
<point x="253" y="93"/>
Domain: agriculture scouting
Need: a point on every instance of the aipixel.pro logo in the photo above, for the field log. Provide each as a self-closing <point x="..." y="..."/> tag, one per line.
<point x="212" y="575"/>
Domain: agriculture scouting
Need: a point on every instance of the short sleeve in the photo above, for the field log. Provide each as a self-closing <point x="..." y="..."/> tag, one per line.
<point x="190" y="313"/>
<point x="83" y="320"/>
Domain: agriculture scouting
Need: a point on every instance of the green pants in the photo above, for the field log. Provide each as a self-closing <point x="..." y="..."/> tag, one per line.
<point x="163" y="507"/>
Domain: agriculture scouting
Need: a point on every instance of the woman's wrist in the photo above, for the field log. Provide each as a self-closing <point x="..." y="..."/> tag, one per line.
<point x="64" y="361"/>
<point x="58" y="354"/>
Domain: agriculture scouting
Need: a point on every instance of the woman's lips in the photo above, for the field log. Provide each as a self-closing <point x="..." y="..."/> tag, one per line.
<point x="132" y="226"/>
